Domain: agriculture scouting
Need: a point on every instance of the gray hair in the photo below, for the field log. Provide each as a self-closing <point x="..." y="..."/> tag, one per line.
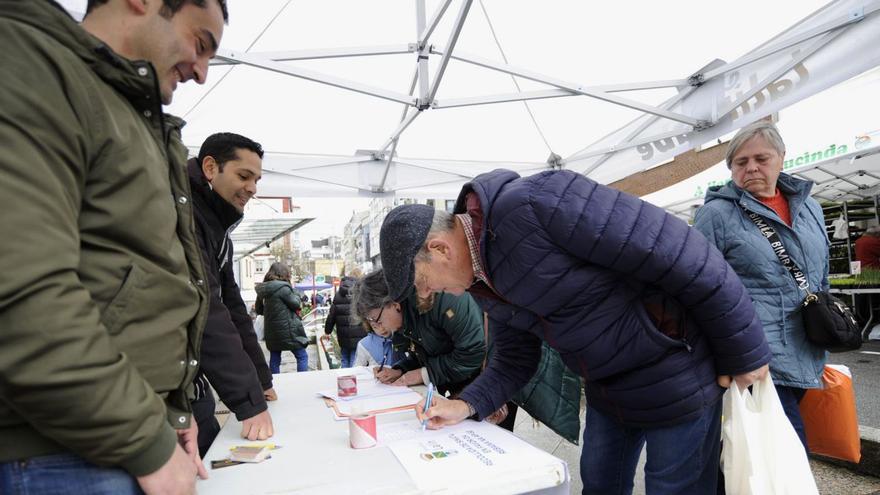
<point x="761" y="128"/>
<point x="442" y="222"/>
<point x="369" y="293"/>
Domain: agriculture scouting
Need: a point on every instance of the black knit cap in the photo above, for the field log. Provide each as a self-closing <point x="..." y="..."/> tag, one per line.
<point x="403" y="234"/>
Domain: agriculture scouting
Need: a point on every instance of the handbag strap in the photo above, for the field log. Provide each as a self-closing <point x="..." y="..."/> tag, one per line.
<point x="776" y="243"/>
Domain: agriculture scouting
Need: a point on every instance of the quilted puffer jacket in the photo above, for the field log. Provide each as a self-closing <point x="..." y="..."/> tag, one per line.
<point x="635" y="301"/>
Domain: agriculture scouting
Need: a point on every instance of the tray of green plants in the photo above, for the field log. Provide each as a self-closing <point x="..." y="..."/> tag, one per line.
<point x="868" y="278"/>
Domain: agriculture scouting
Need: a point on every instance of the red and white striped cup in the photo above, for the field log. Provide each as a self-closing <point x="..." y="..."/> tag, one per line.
<point x="362" y="431"/>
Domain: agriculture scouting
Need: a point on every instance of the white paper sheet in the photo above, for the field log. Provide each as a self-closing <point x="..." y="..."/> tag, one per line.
<point x="465" y="453"/>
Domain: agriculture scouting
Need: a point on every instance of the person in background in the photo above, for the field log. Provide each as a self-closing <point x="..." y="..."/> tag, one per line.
<point x="754" y="157"/>
<point x="223" y="178"/>
<point x="868" y="249"/>
<point x="102" y="297"/>
<point x="349" y="330"/>
<point x="654" y="320"/>
<point x="375" y="351"/>
<point x="279" y="303"/>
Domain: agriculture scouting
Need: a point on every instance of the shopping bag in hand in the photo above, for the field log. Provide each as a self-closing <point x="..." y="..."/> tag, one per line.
<point x="830" y="418"/>
<point x="761" y="453"/>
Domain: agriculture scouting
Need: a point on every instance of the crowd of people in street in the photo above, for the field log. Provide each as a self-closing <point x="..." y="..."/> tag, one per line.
<point x="120" y="312"/>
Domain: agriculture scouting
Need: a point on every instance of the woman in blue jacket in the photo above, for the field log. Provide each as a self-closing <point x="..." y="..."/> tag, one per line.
<point x="755" y="158"/>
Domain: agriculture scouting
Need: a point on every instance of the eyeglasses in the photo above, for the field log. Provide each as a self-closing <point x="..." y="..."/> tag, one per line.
<point x="378" y="319"/>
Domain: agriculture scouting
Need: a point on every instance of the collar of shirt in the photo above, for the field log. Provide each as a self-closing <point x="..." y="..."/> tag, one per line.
<point x="473" y="248"/>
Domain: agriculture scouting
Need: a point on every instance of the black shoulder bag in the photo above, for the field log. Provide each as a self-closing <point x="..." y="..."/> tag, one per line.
<point x="828" y="322"/>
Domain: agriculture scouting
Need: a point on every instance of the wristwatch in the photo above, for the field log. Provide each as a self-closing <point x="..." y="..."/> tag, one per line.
<point x="472" y="412"/>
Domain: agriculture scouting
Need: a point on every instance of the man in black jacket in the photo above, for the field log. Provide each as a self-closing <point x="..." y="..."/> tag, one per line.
<point x="349" y="330"/>
<point x="223" y="178"/>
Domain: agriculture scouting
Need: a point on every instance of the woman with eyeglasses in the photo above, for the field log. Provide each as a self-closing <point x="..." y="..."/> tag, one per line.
<point x="445" y="336"/>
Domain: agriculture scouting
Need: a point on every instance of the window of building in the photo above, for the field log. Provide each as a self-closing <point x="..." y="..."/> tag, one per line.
<point x="450" y="205"/>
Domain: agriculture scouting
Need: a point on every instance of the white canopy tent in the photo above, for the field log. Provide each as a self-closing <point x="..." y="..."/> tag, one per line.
<point x="442" y="79"/>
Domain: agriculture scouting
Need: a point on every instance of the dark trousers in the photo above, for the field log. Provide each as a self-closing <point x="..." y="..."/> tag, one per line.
<point x="203" y="412"/>
<point x="790" y="398"/>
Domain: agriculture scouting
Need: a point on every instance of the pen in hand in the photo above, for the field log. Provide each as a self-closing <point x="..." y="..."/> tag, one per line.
<point x="382" y="366"/>
<point x="427" y="404"/>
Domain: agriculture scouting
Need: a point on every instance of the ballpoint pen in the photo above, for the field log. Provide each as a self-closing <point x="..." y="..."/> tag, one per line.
<point x="382" y="366"/>
<point x="427" y="404"/>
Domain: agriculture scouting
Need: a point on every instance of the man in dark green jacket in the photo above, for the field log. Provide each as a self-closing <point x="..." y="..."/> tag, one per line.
<point x="102" y="298"/>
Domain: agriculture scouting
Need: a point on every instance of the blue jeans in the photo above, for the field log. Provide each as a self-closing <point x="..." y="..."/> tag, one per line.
<point x="790" y="398"/>
<point x="681" y="459"/>
<point x="302" y="360"/>
<point x="348" y="357"/>
<point x="64" y="474"/>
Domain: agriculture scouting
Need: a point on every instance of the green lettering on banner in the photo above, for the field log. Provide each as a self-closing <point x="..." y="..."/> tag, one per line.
<point x="814" y="156"/>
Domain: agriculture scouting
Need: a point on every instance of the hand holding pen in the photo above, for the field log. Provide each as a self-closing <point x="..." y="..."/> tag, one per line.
<point x="437" y="412"/>
<point x="428" y="399"/>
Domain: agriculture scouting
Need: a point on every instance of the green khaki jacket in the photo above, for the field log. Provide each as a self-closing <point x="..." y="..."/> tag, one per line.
<point x="447" y="340"/>
<point x="102" y="299"/>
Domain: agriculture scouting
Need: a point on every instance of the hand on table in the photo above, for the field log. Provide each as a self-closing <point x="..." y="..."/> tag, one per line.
<point x="387" y="375"/>
<point x="746" y="379"/>
<point x="176" y="477"/>
<point x="443" y="412"/>
<point x="270" y="394"/>
<point x="413" y="377"/>
<point x="257" y="427"/>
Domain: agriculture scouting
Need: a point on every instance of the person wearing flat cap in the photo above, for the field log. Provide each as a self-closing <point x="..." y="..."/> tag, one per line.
<point x="637" y="303"/>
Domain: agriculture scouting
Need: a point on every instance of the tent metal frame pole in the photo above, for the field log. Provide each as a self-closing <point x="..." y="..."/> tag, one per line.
<point x="310" y="75"/>
<point x="322" y="181"/>
<point x="402" y="127"/>
<point x="450" y="44"/>
<point x="412" y="87"/>
<point x="322" y="165"/>
<point x="422" y="61"/>
<point x="573" y="87"/>
<point x="426" y="30"/>
<point x="776" y="74"/>
<point x="625" y="144"/>
<point x="549" y="93"/>
<point x="325" y="53"/>
<point x="682" y="94"/>
<point x="852" y="17"/>
<point x="501" y="98"/>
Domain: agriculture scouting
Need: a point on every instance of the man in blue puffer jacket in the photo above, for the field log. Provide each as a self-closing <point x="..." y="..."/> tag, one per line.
<point x="651" y="315"/>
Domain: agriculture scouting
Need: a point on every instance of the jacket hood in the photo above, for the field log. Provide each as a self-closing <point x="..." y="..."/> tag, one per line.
<point x="345" y="286"/>
<point x="266" y="289"/>
<point x="487" y="186"/>
<point x="117" y="71"/>
<point x="787" y="184"/>
<point x="225" y="212"/>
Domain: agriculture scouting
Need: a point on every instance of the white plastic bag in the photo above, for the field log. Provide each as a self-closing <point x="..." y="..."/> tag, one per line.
<point x="761" y="453"/>
<point x="841" y="228"/>
<point x="258" y="327"/>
